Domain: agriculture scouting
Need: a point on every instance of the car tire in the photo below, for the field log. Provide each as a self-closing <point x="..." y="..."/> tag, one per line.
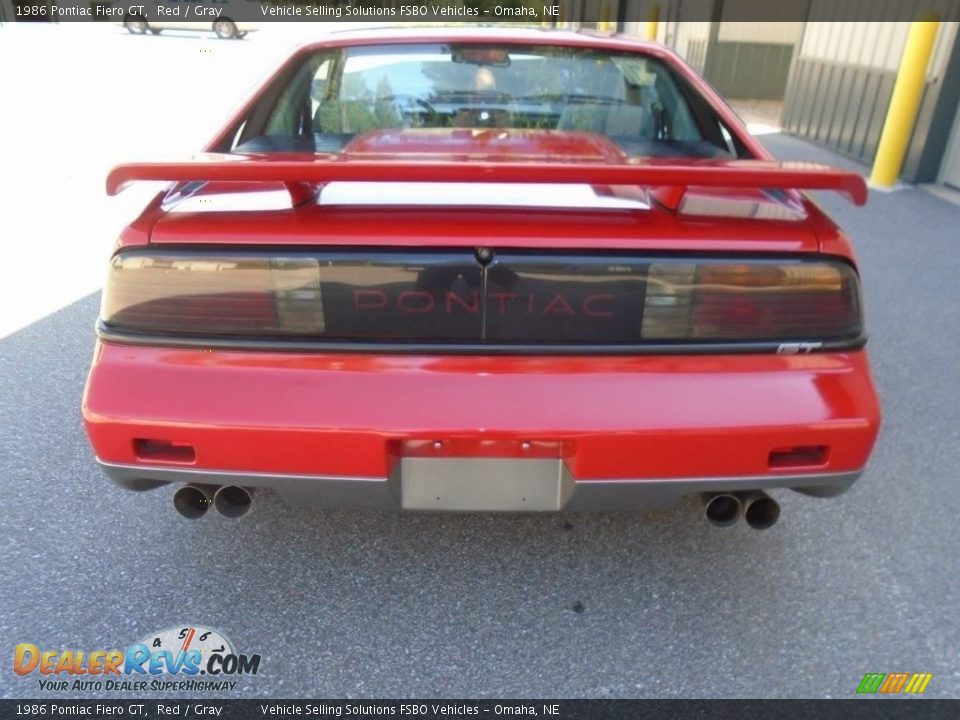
<point x="136" y="25"/>
<point x="226" y="29"/>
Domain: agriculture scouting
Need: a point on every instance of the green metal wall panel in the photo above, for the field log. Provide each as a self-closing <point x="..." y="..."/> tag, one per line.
<point x="839" y="105"/>
<point x="746" y="70"/>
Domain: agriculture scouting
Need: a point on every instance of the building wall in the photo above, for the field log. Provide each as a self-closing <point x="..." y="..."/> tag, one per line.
<point x="949" y="173"/>
<point x="690" y="42"/>
<point x="751" y="59"/>
<point x="842" y="79"/>
<point x="774" y="33"/>
<point x="741" y="58"/>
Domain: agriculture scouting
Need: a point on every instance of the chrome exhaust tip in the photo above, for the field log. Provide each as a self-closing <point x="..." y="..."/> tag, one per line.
<point x="759" y="509"/>
<point x="722" y="510"/>
<point x="233" y="501"/>
<point x="193" y="501"/>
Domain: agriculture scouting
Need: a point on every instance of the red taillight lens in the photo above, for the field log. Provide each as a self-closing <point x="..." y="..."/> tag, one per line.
<point x="751" y="301"/>
<point x="218" y="296"/>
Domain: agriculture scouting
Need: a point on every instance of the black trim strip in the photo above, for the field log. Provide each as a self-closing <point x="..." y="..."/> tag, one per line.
<point x="395" y="348"/>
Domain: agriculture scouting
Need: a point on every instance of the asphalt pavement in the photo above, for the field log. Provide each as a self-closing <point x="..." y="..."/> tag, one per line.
<point x="659" y="604"/>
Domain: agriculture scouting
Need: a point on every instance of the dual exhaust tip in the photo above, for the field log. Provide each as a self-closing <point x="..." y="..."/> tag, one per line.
<point x="758" y="509"/>
<point x="193" y="501"/>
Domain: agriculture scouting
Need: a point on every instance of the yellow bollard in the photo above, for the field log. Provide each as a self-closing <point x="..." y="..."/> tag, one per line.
<point x="904" y="103"/>
<point x="605" y="17"/>
<point x="653" y="22"/>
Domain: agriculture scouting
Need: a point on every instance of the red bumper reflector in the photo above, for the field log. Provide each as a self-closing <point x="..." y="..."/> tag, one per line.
<point x="163" y="451"/>
<point x="801" y="456"/>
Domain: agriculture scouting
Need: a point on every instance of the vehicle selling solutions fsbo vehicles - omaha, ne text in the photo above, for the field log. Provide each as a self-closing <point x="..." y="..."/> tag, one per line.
<point x="486" y="269"/>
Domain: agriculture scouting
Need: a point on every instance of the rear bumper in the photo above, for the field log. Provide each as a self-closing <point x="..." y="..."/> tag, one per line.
<point x="566" y="494"/>
<point x="385" y="431"/>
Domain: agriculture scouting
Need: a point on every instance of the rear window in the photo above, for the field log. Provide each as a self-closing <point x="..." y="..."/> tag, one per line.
<point x="635" y="100"/>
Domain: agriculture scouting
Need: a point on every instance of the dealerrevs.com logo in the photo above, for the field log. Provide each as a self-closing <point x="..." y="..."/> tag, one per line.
<point x="183" y="653"/>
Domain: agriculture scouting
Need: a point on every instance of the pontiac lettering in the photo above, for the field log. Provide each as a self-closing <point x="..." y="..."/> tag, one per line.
<point x="419" y="302"/>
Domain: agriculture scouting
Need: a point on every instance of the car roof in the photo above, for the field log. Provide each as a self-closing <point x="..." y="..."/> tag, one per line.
<point x="397" y="34"/>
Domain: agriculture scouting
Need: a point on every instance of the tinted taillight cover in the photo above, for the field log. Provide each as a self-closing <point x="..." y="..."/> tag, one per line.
<point x="517" y="299"/>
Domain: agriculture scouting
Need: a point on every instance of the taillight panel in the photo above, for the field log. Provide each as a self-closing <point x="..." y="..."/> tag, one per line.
<point x="719" y="300"/>
<point x="518" y="301"/>
<point x="168" y="293"/>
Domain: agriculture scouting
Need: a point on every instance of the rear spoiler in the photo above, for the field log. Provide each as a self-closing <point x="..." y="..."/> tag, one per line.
<point x="667" y="181"/>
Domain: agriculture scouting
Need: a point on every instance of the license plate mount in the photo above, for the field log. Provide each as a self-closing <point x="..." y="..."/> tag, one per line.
<point x="484" y="484"/>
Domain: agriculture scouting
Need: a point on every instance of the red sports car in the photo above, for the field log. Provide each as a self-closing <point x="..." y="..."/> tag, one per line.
<point x="482" y="270"/>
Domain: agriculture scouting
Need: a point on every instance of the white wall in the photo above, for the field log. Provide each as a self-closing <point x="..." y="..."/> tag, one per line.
<point x="781" y="33"/>
<point x="871" y="44"/>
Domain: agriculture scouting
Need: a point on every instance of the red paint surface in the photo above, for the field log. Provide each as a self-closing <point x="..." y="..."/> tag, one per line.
<point x="471" y="227"/>
<point x="617" y="417"/>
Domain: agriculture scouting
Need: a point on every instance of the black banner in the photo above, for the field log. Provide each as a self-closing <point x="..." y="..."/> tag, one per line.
<point x="607" y="14"/>
<point x="886" y="709"/>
